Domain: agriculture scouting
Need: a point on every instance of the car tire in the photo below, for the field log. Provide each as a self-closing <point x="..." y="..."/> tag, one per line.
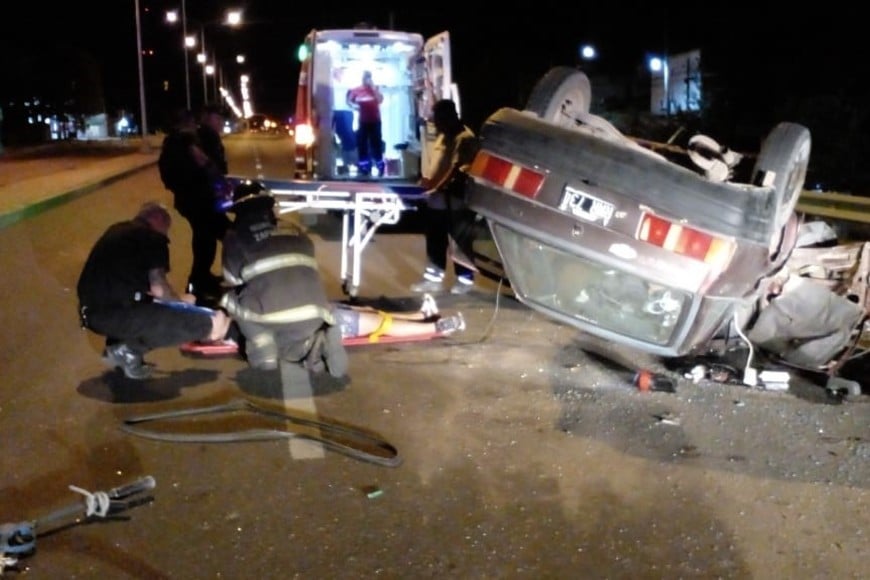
<point x="559" y="95"/>
<point x="783" y="158"/>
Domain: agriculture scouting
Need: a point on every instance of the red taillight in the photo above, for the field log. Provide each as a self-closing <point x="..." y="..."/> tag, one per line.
<point x="528" y="182"/>
<point x="490" y="168"/>
<point x="694" y="244"/>
<point x="685" y="241"/>
<point x="516" y="178"/>
<point x="654" y="230"/>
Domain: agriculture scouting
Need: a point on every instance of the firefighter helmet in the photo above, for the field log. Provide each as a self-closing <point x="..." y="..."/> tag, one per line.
<point x="251" y="196"/>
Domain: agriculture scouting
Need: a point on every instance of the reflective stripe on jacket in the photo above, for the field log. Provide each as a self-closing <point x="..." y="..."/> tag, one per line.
<point x="296" y="314"/>
<point x="265" y="265"/>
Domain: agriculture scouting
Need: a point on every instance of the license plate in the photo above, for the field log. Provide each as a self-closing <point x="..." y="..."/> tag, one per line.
<point x="585" y="206"/>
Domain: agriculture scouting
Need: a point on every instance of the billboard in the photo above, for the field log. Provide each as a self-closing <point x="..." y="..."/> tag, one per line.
<point x="676" y="85"/>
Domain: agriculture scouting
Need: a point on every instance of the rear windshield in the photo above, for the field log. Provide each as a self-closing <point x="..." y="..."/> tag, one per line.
<point x="591" y="293"/>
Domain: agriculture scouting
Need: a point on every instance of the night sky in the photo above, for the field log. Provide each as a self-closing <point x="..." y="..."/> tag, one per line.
<point x="498" y="51"/>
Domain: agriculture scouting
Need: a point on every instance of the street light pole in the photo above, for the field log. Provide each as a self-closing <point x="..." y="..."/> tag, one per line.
<point x="204" y="62"/>
<point x="172" y="18"/>
<point x="141" y="79"/>
<point x="211" y="70"/>
<point x="184" y="38"/>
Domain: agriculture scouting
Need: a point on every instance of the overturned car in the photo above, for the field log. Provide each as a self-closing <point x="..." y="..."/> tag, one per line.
<point x="606" y="234"/>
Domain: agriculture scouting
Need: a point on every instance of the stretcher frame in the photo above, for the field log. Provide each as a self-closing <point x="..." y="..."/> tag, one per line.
<point x="364" y="207"/>
<point x="223" y="348"/>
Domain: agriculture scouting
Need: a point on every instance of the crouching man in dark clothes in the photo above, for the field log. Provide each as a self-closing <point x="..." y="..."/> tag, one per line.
<point x="124" y="294"/>
<point x="278" y="300"/>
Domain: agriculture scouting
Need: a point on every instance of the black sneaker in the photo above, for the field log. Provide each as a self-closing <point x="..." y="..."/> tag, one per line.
<point x="121" y="356"/>
<point x="334" y="353"/>
<point x="211" y="286"/>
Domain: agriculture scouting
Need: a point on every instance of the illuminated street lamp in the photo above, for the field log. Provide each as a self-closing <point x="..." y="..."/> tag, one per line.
<point x="588" y="52"/>
<point x="656" y="64"/>
<point x="247" y="108"/>
<point x="234" y="17"/>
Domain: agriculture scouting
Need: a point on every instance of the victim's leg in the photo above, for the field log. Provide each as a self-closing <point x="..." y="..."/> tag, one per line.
<point x="371" y="322"/>
<point x="383" y="323"/>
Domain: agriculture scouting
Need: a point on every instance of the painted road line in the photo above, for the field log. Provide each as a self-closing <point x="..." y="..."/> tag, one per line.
<point x="299" y="397"/>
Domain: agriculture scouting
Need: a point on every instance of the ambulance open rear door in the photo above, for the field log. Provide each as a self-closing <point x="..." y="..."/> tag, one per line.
<point x="434" y="81"/>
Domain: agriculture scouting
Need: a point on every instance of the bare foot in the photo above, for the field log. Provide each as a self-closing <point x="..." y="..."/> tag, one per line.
<point x="220" y="324"/>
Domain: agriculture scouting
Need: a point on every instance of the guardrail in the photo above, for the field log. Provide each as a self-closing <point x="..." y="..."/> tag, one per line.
<point x="835" y="205"/>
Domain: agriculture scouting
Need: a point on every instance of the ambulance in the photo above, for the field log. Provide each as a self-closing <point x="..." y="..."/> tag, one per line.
<point x="412" y="73"/>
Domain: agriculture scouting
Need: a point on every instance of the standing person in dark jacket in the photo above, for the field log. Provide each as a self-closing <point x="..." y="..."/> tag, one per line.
<point x="279" y="301"/>
<point x="211" y="126"/>
<point x="446" y="213"/>
<point x="193" y="177"/>
<point x="124" y="294"/>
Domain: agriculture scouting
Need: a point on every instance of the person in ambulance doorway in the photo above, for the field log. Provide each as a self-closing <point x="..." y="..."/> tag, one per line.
<point x="366" y="99"/>
<point x="446" y="214"/>
<point x="196" y="181"/>
<point x="124" y="294"/>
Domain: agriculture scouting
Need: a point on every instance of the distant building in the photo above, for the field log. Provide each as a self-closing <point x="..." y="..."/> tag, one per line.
<point x="52" y="93"/>
<point x="676" y="84"/>
<point x="31" y="122"/>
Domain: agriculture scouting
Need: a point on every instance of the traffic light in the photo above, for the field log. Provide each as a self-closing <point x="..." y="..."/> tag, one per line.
<point x="303" y="52"/>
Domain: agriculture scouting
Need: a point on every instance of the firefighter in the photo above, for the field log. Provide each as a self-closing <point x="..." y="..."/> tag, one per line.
<point x="278" y="300"/>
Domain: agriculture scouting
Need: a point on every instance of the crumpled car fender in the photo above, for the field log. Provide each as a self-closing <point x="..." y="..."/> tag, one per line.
<point x="821" y="305"/>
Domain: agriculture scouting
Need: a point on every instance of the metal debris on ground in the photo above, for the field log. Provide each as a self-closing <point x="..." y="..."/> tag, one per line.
<point x="19" y="539"/>
<point x="774" y="380"/>
<point x="667" y="418"/>
<point x="373" y="491"/>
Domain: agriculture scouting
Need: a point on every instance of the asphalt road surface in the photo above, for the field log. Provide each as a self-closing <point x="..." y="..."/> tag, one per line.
<point x="522" y="456"/>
